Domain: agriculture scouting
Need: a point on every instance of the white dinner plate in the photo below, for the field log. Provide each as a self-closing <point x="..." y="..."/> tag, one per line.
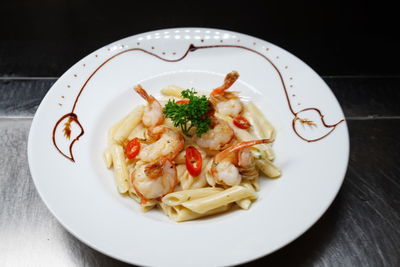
<point x="311" y="147"/>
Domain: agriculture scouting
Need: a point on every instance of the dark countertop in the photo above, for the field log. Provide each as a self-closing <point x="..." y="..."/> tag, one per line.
<point x="350" y="45"/>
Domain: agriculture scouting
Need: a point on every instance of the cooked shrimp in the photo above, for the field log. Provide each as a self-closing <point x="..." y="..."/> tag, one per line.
<point x="164" y="142"/>
<point x="247" y="164"/>
<point x="152" y="115"/>
<point x="227" y="103"/>
<point x="154" y="180"/>
<point x="234" y="163"/>
<point x="218" y="137"/>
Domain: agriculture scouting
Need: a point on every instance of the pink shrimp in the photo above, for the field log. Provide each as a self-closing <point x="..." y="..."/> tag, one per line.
<point x="154" y="180"/>
<point x="231" y="164"/>
<point x="152" y="115"/>
<point x="227" y="103"/>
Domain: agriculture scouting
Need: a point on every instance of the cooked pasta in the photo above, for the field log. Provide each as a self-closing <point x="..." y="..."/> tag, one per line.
<point x="192" y="155"/>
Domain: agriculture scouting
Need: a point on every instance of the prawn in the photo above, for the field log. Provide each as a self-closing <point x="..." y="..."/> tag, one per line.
<point x="235" y="163"/>
<point x="227" y="103"/>
<point x="154" y="180"/>
<point x="219" y="137"/>
<point x="152" y="115"/>
<point x="161" y="142"/>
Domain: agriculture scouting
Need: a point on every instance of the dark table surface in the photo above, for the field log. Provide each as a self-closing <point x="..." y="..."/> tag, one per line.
<point x="350" y="44"/>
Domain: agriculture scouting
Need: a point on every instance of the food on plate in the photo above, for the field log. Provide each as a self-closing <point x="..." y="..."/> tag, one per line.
<point x="190" y="154"/>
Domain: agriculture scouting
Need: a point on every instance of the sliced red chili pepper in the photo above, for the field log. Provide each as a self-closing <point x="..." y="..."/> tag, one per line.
<point x="132" y="148"/>
<point x="241" y="122"/>
<point x="183" y="101"/>
<point x="194" y="161"/>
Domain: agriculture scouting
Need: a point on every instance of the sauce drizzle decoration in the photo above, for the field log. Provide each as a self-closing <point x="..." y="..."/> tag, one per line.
<point x="192" y="48"/>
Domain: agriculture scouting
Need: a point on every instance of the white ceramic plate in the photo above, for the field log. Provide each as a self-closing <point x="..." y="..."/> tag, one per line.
<point x="97" y="91"/>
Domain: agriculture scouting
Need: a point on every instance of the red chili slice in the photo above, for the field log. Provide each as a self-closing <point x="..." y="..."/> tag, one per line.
<point x="183" y="101"/>
<point x="241" y="122"/>
<point x="194" y="161"/>
<point x="132" y="149"/>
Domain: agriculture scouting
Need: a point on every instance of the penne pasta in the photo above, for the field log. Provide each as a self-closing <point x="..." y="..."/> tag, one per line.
<point x="172" y="90"/>
<point x="131" y="121"/>
<point x="110" y="141"/>
<point x="201" y="180"/>
<point x="180" y="214"/>
<point x="263" y="126"/>
<point x="107" y="158"/>
<point x="138" y="132"/>
<point x="219" y="199"/>
<point x="251" y="185"/>
<point x="120" y="169"/>
<point x="244" y="203"/>
<point x="146" y="206"/>
<point x="177" y="198"/>
<point x="268" y="168"/>
<point x="184" y="178"/>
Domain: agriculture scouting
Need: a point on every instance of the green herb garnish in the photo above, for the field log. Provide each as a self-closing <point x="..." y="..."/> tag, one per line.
<point x="189" y="115"/>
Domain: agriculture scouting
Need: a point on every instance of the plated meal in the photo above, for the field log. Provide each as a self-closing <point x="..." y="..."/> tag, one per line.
<point x="192" y="154"/>
<point x="188" y="151"/>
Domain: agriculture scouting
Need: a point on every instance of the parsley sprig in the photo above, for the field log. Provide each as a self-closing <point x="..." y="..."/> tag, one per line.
<point x="190" y="115"/>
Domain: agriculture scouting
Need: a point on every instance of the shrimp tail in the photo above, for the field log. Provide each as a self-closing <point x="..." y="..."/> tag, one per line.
<point x="139" y="89"/>
<point x="223" y="154"/>
<point x="230" y="78"/>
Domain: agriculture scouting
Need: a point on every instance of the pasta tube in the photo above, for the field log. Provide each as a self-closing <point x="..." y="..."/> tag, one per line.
<point x="219" y="199"/>
<point x="172" y="90"/>
<point x="110" y="141"/>
<point x="268" y="168"/>
<point x="251" y="185"/>
<point x="107" y="157"/>
<point x="261" y="124"/>
<point x="177" y="198"/>
<point x="180" y="214"/>
<point x="128" y="124"/>
<point x="120" y="170"/>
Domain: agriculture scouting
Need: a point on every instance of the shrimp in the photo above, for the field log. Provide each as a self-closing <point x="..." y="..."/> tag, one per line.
<point x="227" y="103"/>
<point x="218" y="137"/>
<point x="235" y="163"/>
<point x="152" y="115"/>
<point x="247" y="164"/>
<point x="154" y="180"/>
<point x="163" y="142"/>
